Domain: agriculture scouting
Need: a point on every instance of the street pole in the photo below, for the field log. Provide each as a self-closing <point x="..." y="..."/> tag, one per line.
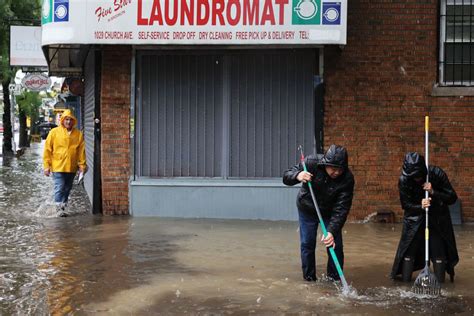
<point x="12" y="117"/>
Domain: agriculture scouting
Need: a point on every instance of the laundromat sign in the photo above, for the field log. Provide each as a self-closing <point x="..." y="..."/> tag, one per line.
<point x="194" y="22"/>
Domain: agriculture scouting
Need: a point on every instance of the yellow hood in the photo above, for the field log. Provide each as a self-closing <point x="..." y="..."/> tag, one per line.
<point x="68" y="113"/>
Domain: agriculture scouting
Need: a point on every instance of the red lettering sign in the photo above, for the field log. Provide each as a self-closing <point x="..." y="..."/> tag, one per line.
<point x="211" y="12"/>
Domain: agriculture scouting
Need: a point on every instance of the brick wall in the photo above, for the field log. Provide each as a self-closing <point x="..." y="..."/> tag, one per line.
<point x="115" y="125"/>
<point x="378" y="90"/>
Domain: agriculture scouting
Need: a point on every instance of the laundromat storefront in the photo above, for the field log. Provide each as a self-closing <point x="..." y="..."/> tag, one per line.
<point x="215" y="130"/>
<point x="223" y="92"/>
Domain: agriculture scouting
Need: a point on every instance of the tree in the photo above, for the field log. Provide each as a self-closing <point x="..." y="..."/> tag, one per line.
<point x="28" y="105"/>
<point x="20" y="12"/>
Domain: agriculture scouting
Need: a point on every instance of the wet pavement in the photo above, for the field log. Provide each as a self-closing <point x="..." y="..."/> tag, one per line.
<point x="94" y="265"/>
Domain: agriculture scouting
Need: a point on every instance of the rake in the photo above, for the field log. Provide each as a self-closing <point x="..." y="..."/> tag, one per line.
<point x="345" y="286"/>
<point x="426" y="283"/>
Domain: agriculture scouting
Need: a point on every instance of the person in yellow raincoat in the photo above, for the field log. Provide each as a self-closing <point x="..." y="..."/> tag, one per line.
<point x="64" y="154"/>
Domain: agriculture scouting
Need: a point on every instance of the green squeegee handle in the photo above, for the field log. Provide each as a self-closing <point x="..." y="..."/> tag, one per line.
<point x="323" y="226"/>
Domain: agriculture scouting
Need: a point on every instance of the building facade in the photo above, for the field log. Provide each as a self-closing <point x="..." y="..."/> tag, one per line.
<point x="206" y="129"/>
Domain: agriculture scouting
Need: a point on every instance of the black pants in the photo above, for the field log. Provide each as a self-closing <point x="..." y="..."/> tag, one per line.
<point x="308" y="231"/>
<point x="437" y="246"/>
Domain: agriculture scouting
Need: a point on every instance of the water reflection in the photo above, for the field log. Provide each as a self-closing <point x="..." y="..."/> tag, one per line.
<point x="88" y="264"/>
<point x="83" y="253"/>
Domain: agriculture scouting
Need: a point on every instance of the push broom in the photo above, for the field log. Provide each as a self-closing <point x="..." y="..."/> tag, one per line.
<point x="345" y="286"/>
<point x="426" y="282"/>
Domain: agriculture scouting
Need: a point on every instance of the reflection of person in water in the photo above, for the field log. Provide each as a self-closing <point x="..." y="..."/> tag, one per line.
<point x="79" y="254"/>
<point x="442" y="244"/>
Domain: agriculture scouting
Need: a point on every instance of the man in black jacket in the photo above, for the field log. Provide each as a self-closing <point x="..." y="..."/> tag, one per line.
<point x="333" y="185"/>
<point x="442" y="244"/>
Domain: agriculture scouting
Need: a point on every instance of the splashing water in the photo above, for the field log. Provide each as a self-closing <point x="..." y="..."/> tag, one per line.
<point x="47" y="209"/>
<point x="349" y="291"/>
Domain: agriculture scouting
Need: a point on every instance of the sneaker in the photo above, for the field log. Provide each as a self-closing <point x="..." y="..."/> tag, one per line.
<point x="61" y="209"/>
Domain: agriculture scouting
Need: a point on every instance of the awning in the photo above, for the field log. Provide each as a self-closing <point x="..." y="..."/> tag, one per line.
<point x="65" y="60"/>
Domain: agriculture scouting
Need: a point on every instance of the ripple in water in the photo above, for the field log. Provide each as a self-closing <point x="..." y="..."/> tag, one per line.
<point x="405" y="300"/>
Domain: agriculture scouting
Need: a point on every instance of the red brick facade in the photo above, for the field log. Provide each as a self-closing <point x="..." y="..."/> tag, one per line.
<point x="115" y="125"/>
<point x="378" y="90"/>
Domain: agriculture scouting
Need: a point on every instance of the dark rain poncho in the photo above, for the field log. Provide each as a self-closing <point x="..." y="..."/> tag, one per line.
<point x="411" y="194"/>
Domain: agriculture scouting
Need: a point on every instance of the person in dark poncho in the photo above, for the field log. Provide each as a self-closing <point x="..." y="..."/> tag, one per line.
<point x="442" y="243"/>
<point x="333" y="185"/>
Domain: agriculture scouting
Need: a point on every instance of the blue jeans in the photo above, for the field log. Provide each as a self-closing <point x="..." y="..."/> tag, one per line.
<point x="308" y="231"/>
<point x="63" y="182"/>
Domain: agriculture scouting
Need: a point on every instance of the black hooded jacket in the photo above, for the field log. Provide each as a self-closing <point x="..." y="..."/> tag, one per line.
<point x="334" y="196"/>
<point x="411" y="194"/>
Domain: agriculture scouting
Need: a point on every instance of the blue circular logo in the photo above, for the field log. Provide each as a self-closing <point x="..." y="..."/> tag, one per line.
<point x="331" y="14"/>
<point x="61" y="11"/>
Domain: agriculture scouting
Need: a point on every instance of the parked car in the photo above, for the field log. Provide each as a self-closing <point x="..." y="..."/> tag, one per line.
<point x="1" y="127"/>
<point x="44" y="129"/>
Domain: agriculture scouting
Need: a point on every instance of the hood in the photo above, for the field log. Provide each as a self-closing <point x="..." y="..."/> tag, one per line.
<point x="67" y="113"/>
<point x="414" y="166"/>
<point x="336" y="156"/>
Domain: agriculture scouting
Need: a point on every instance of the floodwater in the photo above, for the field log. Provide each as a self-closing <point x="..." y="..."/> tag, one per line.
<point x="94" y="265"/>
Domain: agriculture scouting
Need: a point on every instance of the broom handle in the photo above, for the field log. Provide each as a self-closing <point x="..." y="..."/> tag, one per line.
<point x="427" y="233"/>
<point x="323" y="227"/>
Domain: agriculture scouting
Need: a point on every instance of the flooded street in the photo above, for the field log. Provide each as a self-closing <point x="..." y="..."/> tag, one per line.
<point x="93" y="265"/>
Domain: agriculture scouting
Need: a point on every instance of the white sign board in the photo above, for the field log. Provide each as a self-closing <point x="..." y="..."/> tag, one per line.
<point x="36" y="82"/>
<point x="25" y="46"/>
<point x="194" y="22"/>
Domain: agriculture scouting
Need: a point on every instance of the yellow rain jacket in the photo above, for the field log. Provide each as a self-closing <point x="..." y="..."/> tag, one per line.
<point x="64" y="151"/>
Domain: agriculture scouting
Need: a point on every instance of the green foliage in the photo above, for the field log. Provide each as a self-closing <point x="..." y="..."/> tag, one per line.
<point x="29" y="103"/>
<point x="14" y="12"/>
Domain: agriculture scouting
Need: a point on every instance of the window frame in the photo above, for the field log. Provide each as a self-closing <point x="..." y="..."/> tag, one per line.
<point x="443" y="40"/>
